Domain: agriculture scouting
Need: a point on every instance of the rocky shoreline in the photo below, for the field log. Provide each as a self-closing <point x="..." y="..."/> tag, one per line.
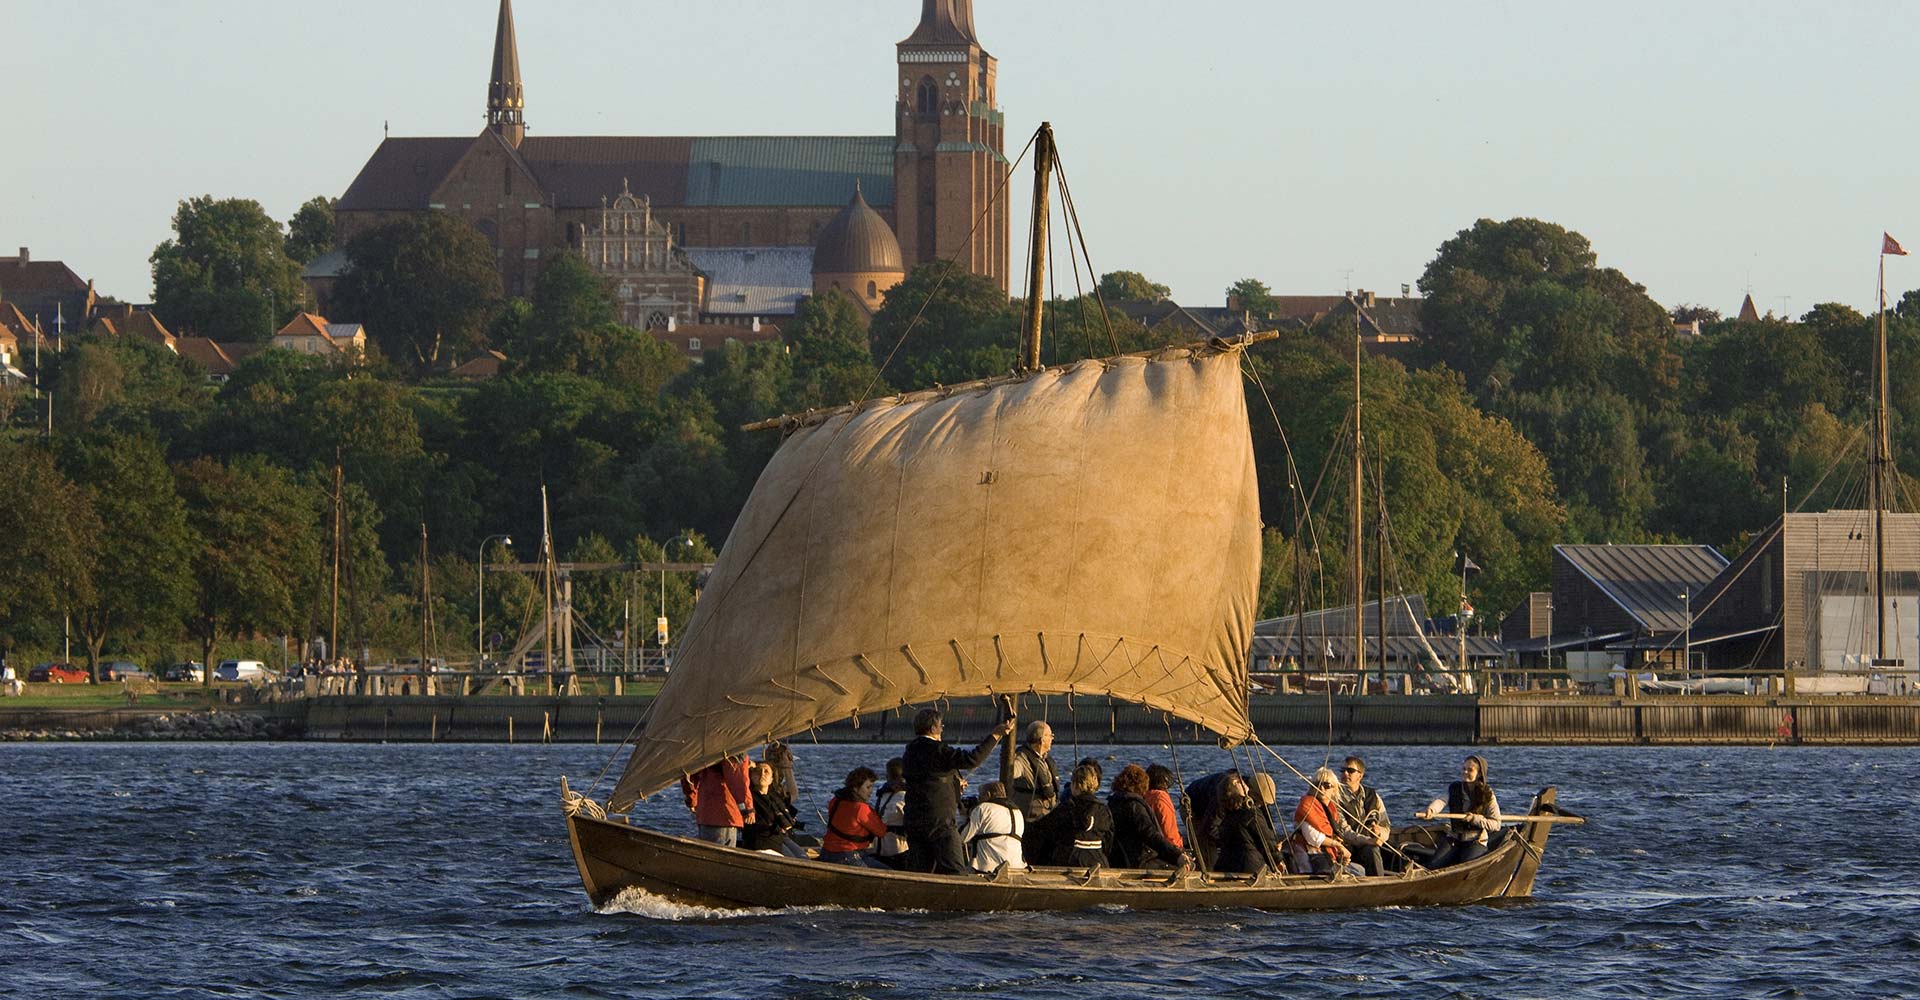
<point x="224" y="726"/>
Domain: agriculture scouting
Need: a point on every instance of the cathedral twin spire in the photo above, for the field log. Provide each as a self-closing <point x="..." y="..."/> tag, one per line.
<point x="506" y="99"/>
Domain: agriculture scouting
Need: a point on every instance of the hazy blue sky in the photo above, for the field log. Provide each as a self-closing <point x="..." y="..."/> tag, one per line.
<point x="1700" y="146"/>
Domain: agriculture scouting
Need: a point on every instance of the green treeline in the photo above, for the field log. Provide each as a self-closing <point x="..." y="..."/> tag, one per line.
<point x="166" y="518"/>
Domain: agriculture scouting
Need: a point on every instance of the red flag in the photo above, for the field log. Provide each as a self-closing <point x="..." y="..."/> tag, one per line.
<point x="1889" y="245"/>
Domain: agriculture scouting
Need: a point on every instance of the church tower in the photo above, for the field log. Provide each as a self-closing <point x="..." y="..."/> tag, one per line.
<point x="950" y="150"/>
<point x="506" y="102"/>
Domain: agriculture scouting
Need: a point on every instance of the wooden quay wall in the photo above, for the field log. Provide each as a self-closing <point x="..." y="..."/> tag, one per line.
<point x="1280" y="719"/>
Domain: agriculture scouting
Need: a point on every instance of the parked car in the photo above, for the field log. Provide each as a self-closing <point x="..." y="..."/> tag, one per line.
<point x="241" y="670"/>
<point x="122" y="670"/>
<point x="190" y="671"/>
<point x="58" y="673"/>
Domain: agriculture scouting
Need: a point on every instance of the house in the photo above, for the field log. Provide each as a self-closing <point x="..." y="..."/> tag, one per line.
<point x="10" y="372"/>
<point x="47" y="292"/>
<point x="1799" y="598"/>
<point x="310" y="333"/>
<point x="119" y="319"/>
<point x="215" y="358"/>
<point x="1631" y="606"/>
<point x="695" y="339"/>
<point x="480" y="369"/>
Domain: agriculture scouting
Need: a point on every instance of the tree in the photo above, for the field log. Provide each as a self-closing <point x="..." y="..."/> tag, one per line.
<point x="1131" y="286"/>
<point x="226" y="273"/>
<point x="1692" y="313"/>
<point x="129" y="385"/>
<point x="52" y="534"/>
<point x="1253" y="295"/>
<point x="310" y="231"/>
<point x="831" y="363"/>
<point x="258" y="549"/>
<point x="145" y="544"/>
<point x="425" y="286"/>
<point x="628" y="360"/>
<point x="943" y="325"/>
<point x="568" y="296"/>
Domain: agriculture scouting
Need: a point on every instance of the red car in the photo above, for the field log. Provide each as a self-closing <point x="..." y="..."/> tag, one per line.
<point x="58" y="673"/>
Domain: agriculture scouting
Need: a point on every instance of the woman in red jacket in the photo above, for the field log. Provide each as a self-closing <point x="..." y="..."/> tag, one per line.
<point x="719" y="798"/>
<point x="852" y="825"/>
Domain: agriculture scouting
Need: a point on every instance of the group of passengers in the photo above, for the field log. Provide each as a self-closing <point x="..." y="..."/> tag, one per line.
<point x="917" y="820"/>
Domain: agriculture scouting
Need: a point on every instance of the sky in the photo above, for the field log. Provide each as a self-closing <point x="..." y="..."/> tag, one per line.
<point x="1706" y="149"/>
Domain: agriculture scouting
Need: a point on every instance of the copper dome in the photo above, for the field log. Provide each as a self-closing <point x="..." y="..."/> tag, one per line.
<point x="857" y="241"/>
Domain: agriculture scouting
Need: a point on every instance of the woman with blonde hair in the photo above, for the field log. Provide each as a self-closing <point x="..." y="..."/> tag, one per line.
<point x="1315" y="848"/>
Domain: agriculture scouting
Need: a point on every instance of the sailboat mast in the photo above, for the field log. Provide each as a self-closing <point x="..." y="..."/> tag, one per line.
<point x="1037" y="249"/>
<point x="546" y="582"/>
<point x="426" y="605"/>
<point x="1380" y="561"/>
<point x="1358" y="532"/>
<point x="333" y="627"/>
<point x="1877" y="474"/>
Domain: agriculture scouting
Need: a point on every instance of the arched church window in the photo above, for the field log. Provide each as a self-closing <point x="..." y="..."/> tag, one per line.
<point x="491" y="232"/>
<point x="872" y="289"/>
<point x="929" y="99"/>
<point x="657" y="320"/>
<point x="506" y="175"/>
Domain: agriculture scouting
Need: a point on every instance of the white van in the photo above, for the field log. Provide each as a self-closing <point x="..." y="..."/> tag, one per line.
<point x="241" y="670"/>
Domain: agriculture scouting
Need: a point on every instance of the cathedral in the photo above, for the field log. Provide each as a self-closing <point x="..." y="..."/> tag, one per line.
<point x="725" y="230"/>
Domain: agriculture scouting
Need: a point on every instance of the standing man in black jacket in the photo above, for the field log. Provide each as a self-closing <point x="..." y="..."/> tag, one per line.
<point x="933" y="792"/>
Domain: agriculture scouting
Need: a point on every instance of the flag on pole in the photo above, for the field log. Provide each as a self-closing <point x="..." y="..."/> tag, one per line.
<point x="1889" y="245"/>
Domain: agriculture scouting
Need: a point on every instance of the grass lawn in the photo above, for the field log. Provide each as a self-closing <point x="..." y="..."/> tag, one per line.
<point x="96" y="696"/>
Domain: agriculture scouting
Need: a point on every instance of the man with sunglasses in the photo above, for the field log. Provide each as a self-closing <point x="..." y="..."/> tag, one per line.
<point x="1363" y="820"/>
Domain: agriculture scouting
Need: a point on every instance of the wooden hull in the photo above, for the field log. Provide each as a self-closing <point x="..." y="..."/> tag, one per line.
<point x="613" y="856"/>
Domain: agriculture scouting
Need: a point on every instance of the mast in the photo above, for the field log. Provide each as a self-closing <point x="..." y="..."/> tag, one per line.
<point x="1043" y="154"/>
<point x="426" y="614"/>
<point x="1877" y="473"/>
<point x="333" y="628"/>
<point x="546" y="580"/>
<point x="1037" y="268"/>
<point x="1380" y="559"/>
<point x="1357" y="533"/>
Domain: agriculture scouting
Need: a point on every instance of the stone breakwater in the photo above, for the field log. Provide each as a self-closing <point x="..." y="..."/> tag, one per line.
<point x="164" y="726"/>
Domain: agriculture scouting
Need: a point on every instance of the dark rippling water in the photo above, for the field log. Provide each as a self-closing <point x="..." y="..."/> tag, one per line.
<point x="304" y="870"/>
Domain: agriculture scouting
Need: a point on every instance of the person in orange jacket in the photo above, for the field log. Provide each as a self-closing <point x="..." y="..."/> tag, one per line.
<point x="719" y="799"/>
<point x="852" y="825"/>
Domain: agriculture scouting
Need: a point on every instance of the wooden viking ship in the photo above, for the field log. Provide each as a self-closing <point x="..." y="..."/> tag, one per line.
<point x="1085" y="529"/>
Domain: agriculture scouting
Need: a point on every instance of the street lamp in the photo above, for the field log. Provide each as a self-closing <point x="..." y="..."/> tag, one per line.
<point x="480" y="647"/>
<point x="666" y="554"/>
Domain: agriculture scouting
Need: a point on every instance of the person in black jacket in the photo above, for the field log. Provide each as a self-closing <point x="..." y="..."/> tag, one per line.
<point x="1246" y="840"/>
<point x="1034" y="775"/>
<point x="1137" y="839"/>
<point x="1204" y="804"/>
<point x="933" y="793"/>
<point x="774" y="818"/>
<point x="1078" y="832"/>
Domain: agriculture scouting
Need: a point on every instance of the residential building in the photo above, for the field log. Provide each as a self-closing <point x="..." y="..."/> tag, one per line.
<point x="310" y="333"/>
<point x="46" y="292"/>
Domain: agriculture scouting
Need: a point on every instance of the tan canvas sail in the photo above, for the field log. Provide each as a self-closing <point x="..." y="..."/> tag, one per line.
<point x="1090" y="529"/>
